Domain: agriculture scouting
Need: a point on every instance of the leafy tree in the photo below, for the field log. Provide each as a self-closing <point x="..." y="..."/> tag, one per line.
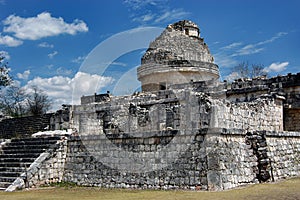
<point x="38" y="102"/>
<point x="244" y="70"/>
<point x="5" y="79"/>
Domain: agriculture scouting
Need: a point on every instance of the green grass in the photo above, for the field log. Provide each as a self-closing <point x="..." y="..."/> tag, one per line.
<point x="289" y="189"/>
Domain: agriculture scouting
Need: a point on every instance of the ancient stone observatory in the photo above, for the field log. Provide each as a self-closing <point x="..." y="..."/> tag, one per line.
<point x="177" y="56"/>
<point x="185" y="130"/>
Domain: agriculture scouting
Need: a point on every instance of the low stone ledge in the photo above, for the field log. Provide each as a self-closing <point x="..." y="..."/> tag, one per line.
<point x="283" y="134"/>
<point x="224" y="131"/>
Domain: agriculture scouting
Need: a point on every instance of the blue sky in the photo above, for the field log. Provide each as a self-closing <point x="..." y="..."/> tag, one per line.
<point x="46" y="42"/>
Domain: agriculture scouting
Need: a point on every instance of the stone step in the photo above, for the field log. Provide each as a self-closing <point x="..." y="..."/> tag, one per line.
<point x="10" y="174"/>
<point x="20" y="155"/>
<point x="12" y="169"/>
<point x="5" y="160"/>
<point x="23" y="151"/>
<point x="15" y="164"/>
<point x="35" y="140"/>
<point x="8" y="179"/>
<point x="17" y="156"/>
<point x="32" y="143"/>
<point x="22" y="147"/>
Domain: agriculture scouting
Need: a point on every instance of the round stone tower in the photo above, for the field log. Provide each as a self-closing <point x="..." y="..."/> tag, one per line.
<point x="179" y="55"/>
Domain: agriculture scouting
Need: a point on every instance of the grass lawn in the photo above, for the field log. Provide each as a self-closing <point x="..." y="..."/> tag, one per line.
<point x="288" y="189"/>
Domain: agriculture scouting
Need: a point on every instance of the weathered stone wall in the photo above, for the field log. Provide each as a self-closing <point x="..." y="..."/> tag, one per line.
<point x="226" y="144"/>
<point x="239" y="158"/>
<point x="141" y="141"/>
<point x="265" y="113"/>
<point x="24" y="126"/>
<point x="287" y="86"/>
<point x="177" y="169"/>
<point x="51" y="167"/>
<point x="284" y="154"/>
<point x="94" y="98"/>
<point x="231" y="161"/>
<point x="147" y="112"/>
<point x="216" y="159"/>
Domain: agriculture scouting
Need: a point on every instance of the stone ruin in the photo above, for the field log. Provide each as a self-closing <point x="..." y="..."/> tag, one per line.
<point x="184" y="130"/>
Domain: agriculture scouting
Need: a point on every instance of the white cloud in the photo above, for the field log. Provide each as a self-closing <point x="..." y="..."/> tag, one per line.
<point x="119" y="64"/>
<point x="79" y="59"/>
<point x="127" y="84"/>
<point x="272" y="39"/>
<point x="51" y="55"/>
<point x="45" y="45"/>
<point x="49" y="66"/>
<point x="171" y="15"/>
<point x="9" y="41"/>
<point x="61" y="71"/>
<point x="276" y="67"/>
<point x="43" y="25"/>
<point x="65" y="90"/>
<point x="257" y="47"/>
<point x="144" y="18"/>
<point x="247" y="50"/>
<point x="233" y="76"/>
<point x="154" y="11"/>
<point x="5" y="54"/>
<point x="24" y="75"/>
<point x="140" y="4"/>
<point x="223" y="60"/>
<point x="148" y="17"/>
<point x="231" y="46"/>
<point x="227" y="56"/>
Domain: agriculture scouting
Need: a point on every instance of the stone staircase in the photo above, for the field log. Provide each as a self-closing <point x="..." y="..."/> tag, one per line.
<point x="17" y="156"/>
<point x="22" y="127"/>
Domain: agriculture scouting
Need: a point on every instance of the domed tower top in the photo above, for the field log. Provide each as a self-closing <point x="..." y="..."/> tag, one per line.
<point x="177" y="56"/>
<point x="188" y="27"/>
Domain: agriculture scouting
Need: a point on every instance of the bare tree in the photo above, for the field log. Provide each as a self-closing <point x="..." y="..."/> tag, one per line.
<point x="38" y="102"/>
<point x="257" y="70"/>
<point x="244" y="70"/>
<point x="13" y="101"/>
